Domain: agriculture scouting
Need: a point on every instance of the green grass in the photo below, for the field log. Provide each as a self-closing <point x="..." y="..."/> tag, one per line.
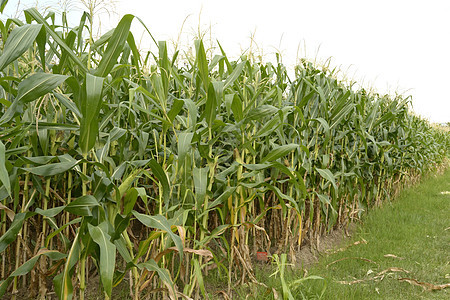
<point x="412" y="227"/>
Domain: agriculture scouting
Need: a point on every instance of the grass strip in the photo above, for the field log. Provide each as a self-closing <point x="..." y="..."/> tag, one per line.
<point x="405" y="253"/>
<point x="409" y="237"/>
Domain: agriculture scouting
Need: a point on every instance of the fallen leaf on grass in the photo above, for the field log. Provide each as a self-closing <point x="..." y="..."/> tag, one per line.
<point x="224" y="295"/>
<point x="355" y="281"/>
<point x="392" y="269"/>
<point x="363" y="241"/>
<point x="275" y="294"/>
<point x="393" y="256"/>
<point x="360" y="258"/>
<point x="380" y="276"/>
<point x="425" y="285"/>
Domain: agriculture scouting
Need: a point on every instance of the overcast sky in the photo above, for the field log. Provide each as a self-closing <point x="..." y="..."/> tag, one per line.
<point x="392" y="45"/>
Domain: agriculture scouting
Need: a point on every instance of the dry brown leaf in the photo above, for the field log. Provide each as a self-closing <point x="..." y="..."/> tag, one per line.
<point x="184" y="296"/>
<point x="355" y="281"/>
<point x="360" y="258"/>
<point x="8" y="211"/>
<point x="380" y="276"/>
<point x="363" y="241"/>
<point x="275" y="294"/>
<point x="203" y="252"/>
<point x="393" y="256"/>
<point x="246" y="265"/>
<point x="392" y="269"/>
<point x="182" y="234"/>
<point x="425" y="285"/>
<point x="224" y="294"/>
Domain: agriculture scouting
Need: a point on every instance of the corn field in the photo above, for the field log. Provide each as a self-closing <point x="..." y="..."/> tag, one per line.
<point x="156" y="170"/>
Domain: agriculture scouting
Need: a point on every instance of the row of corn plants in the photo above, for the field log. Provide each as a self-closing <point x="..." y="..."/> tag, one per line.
<point x="159" y="169"/>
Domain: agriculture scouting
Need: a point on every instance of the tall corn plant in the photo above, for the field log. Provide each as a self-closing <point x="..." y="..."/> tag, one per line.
<point x="159" y="170"/>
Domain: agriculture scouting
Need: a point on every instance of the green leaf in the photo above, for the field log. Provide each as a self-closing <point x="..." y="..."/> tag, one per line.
<point x="38" y="85"/>
<point x="13" y="110"/>
<point x="163" y="274"/>
<point x="211" y="103"/>
<point x="115" y="46"/>
<point x="51" y="212"/>
<point x="261" y="112"/>
<point x="326" y="128"/>
<point x="56" y="37"/>
<point x="219" y="200"/>
<point x="4" y="177"/>
<point x="26" y="267"/>
<point x="214" y="234"/>
<point x="68" y="103"/>
<point x="159" y="172"/>
<point x="326" y="174"/>
<point x="41" y="40"/>
<point x="107" y="256"/>
<point x="90" y="108"/>
<point x="63" y="281"/>
<point x="199" y="276"/>
<point x="279" y="152"/>
<point x="120" y="224"/>
<point x="10" y="235"/>
<point x="236" y="107"/>
<point x="175" y="110"/>
<point x="202" y="63"/>
<point x="82" y="205"/>
<point x="20" y="39"/>
<point x="52" y="169"/>
<point x="234" y="75"/>
<point x="200" y="182"/>
<point x="184" y="145"/>
<point x="269" y="127"/>
<point x="2" y="5"/>
<point x="122" y="248"/>
<point x="58" y="231"/>
<point x="131" y="197"/>
<point x="161" y="223"/>
<point x="4" y="284"/>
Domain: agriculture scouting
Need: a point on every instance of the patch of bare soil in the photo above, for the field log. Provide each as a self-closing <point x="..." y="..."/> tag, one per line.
<point x="332" y="242"/>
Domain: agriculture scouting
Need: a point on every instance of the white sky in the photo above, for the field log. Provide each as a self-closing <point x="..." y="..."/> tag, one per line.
<point x="392" y="45"/>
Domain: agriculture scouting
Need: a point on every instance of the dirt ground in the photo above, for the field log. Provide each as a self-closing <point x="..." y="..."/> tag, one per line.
<point x="309" y="254"/>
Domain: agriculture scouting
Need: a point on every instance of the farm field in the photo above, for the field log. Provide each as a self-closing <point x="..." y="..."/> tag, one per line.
<point x="409" y="238"/>
<point x="146" y="174"/>
<point x="386" y="258"/>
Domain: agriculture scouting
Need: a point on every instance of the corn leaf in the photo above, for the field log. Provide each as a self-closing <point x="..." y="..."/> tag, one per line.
<point x="163" y="274"/>
<point x="38" y="85"/>
<point x="4" y="177"/>
<point x="161" y="223"/>
<point x="82" y="205"/>
<point x="279" y="152"/>
<point x="38" y="17"/>
<point x="107" y="256"/>
<point x="90" y="107"/>
<point x="115" y="46"/>
<point x="20" y="39"/>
